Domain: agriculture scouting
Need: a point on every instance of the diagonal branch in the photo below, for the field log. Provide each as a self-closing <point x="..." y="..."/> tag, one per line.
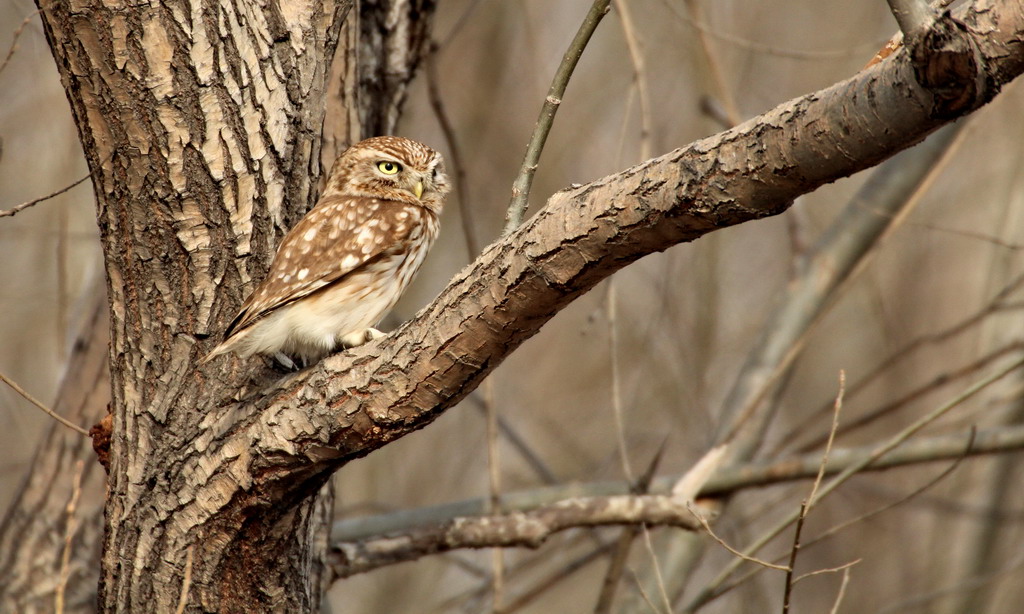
<point x="285" y="438"/>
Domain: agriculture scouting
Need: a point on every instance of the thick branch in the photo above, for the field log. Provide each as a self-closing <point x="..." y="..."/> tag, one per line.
<point x="356" y="402"/>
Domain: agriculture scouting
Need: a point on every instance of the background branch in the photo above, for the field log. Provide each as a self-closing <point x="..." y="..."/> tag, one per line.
<point x="524" y="180"/>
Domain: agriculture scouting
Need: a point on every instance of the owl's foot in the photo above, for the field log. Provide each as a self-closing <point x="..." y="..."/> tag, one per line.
<point x="351" y="340"/>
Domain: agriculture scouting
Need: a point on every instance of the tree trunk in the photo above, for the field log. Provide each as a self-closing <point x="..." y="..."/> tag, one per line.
<point x="203" y="125"/>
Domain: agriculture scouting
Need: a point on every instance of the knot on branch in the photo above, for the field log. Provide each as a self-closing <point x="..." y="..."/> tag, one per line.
<point x="101" y="433"/>
<point x="947" y="63"/>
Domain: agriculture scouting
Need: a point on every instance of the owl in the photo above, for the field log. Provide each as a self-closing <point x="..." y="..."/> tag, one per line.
<point x="344" y="265"/>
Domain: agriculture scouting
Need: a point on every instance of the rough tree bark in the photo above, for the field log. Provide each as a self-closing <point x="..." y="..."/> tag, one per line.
<point x="223" y="140"/>
<point x="202" y="125"/>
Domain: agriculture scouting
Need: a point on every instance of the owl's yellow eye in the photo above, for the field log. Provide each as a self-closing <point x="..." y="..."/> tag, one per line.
<point x="388" y="167"/>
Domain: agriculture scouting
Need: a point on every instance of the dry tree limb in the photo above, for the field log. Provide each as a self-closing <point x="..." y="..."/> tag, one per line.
<point x="35" y="201"/>
<point x="31" y="399"/>
<point x="71" y="525"/>
<point x="523" y="529"/>
<point x="726" y="480"/>
<point x="14" y="40"/>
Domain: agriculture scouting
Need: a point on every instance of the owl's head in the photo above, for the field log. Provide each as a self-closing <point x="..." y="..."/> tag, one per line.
<point x="391" y="168"/>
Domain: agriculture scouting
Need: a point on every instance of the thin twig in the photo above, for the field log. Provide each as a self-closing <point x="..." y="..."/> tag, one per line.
<point x="838" y="407"/>
<point x="69" y="535"/>
<point x="25" y="205"/>
<point x="636" y="56"/>
<point x="494" y="492"/>
<point x="62" y="281"/>
<point x="659" y="580"/>
<point x="613" y="359"/>
<point x="772" y="50"/>
<point x="726" y="98"/>
<point x="521" y="187"/>
<point x="17" y="35"/>
<point x="643" y="593"/>
<point x="608" y="590"/>
<point x="618" y="563"/>
<point x="721" y="542"/>
<point x="454" y="151"/>
<point x="842" y="591"/>
<point x="808" y="503"/>
<point x="913" y="494"/>
<point x="818" y="572"/>
<point x="28" y="397"/>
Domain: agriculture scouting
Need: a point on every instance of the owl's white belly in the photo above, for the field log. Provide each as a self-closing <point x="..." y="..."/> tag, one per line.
<point x="314" y="326"/>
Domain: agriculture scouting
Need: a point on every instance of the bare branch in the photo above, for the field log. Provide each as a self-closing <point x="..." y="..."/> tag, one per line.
<point x="617" y="565"/>
<point x="808" y="503"/>
<point x="35" y="201"/>
<point x="739" y="555"/>
<point x="69" y="535"/>
<point x="521" y="187"/>
<point x="726" y="101"/>
<point x="523" y="529"/>
<point x="965" y="452"/>
<point x="455" y="152"/>
<point x="580" y="237"/>
<point x="14" y="40"/>
<point x="922" y="450"/>
<point x="842" y="591"/>
<point x="636" y="56"/>
<point x="818" y="572"/>
<point x="31" y="399"/>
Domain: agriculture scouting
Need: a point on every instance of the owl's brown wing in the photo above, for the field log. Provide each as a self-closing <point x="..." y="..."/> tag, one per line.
<point x="338" y="236"/>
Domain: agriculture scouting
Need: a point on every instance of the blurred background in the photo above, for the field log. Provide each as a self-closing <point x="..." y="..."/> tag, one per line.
<point x="684" y="321"/>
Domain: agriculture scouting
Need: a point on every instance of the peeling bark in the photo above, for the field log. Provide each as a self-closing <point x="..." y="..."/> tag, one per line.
<point x="202" y="123"/>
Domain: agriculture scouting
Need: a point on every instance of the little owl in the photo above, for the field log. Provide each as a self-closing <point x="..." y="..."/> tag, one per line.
<point x="344" y="265"/>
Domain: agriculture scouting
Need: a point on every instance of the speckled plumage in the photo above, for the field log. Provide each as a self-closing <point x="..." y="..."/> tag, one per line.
<point x="346" y="263"/>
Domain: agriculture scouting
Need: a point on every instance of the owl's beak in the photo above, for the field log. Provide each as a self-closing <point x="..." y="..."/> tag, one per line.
<point x="418" y="189"/>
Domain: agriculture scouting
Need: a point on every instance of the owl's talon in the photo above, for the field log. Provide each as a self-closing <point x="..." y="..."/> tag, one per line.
<point x="351" y="340"/>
